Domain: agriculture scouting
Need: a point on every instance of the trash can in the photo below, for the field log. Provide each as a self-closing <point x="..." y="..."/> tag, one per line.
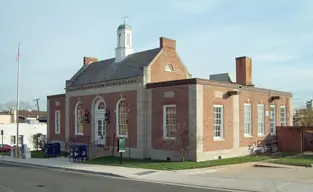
<point x="83" y="152"/>
<point x="48" y="150"/>
<point x="56" y="149"/>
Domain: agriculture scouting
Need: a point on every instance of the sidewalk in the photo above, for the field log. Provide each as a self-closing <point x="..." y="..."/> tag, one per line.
<point x="222" y="178"/>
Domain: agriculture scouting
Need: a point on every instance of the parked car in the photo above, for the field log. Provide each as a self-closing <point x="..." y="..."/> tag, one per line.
<point x="5" y="148"/>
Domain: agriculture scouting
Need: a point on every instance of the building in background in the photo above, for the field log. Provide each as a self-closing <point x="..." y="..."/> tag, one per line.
<point x="30" y="127"/>
<point x="10" y="116"/>
<point x="150" y="99"/>
<point x="309" y="105"/>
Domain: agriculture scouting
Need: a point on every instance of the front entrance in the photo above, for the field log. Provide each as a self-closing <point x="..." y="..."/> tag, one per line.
<point x="100" y="132"/>
<point x="100" y="125"/>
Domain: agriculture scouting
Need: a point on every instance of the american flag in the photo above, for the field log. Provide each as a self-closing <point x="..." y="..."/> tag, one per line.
<point x="18" y="53"/>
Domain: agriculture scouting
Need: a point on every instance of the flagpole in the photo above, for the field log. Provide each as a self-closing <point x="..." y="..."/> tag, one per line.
<point x="17" y="100"/>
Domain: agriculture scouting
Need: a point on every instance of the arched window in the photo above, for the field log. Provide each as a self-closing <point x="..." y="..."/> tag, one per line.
<point x="101" y="106"/>
<point x="79" y="113"/>
<point x="122" y="118"/>
<point x="169" y="68"/>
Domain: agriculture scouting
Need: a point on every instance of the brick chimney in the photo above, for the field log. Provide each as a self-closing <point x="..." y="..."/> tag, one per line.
<point x="88" y="60"/>
<point x="244" y="71"/>
<point x="167" y="43"/>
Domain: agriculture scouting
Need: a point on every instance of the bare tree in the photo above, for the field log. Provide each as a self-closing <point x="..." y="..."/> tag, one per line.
<point x="39" y="141"/>
<point x="11" y="105"/>
<point x="183" y="142"/>
<point x="306" y="118"/>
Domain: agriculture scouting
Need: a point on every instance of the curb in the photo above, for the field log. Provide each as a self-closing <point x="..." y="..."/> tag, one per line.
<point x="268" y="166"/>
<point x="62" y="169"/>
<point x="299" y="165"/>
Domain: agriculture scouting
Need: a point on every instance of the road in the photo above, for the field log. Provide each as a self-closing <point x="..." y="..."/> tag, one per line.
<point x="22" y="179"/>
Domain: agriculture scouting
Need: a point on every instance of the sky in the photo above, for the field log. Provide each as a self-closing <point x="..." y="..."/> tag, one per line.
<point x="210" y="34"/>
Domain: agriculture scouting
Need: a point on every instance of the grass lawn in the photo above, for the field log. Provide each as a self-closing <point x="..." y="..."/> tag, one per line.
<point x="34" y="154"/>
<point x="167" y="165"/>
<point x="297" y="160"/>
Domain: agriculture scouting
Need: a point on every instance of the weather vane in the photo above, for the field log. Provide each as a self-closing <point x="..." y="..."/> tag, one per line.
<point x="124" y="17"/>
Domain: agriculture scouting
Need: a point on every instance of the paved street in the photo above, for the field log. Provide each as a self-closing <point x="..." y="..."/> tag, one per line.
<point x="20" y="179"/>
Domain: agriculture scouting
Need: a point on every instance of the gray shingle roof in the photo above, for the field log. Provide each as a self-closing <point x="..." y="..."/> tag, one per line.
<point x="107" y="70"/>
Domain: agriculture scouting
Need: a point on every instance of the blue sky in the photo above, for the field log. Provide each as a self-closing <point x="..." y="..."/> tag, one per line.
<point x="55" y="35"/>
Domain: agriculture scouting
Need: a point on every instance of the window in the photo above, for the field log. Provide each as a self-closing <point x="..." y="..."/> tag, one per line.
<point x="21" y="139"/>
<point x="169" y="122"/>
<point x="119" y="40"/>
<point x="101" y="106"/>
<point x="57" y="125"/>
<point x="169" y="68"/>
<point x="128" y="39"/>
<point x="13" y="140"/>
<point x="247" y="120"/>
<point x="218" y="125"/>
<point x="283" y="116"/>
<point x="79" y="114"/>
<point x="272" y="120"/>
<point x="261" y="119"/>
<point x="122" y="118"/>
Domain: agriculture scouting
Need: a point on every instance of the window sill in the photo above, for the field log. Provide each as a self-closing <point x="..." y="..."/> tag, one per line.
<point x="169" y="138"/>
<point x="122" y="136"/>
<point x="272" y="134"/>
<point x="218" y="139"/>
<point x="81" y="134"/>
<point x="248" y="136"/>
<point x="57" y="133"/>
<point x="261" y="135"/>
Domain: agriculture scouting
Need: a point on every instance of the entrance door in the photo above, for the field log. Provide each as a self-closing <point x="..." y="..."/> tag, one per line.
<point x="100" y="131"/>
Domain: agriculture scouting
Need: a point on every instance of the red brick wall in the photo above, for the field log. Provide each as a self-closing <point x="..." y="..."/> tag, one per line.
<point x="209" y="100"/>
<point x="168" y="56"/>
<point x="181" y="99"/>
<point x="53" y="107"/>
<point x="290" y="140"/>
<point x="111" y="100"/>
<point x="256" y="98"/>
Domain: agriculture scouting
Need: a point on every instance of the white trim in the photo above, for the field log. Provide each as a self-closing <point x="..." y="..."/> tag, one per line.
<point x="274" y="120"/>
<point x="55" y="121"/>
<point x="169" y="68"/>
<point x="285" y="120"/>
<point x="98" y="115"/>
<point x="261" y="120"/>
<point x="75" y="113"/>
<point x="221" y="137"/>
<point x="117" y="125"/>
<point x="250" y="120"/>
<point x="164" y="121"/>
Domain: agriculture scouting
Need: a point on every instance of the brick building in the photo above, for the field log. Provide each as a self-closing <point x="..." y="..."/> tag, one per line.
<point x="150" y="98"/>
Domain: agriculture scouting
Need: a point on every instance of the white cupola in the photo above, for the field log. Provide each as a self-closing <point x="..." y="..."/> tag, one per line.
<point x="124" y="42"/>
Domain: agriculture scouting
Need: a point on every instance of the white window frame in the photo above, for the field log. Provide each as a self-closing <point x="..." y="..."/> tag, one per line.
<point x="272" y="120"/>
<point x="169" y="68"/>
<point x="221" y="125"/>
<point x="247" y="122"/>
<point x="76" y="127"/>
<point x="13" y="137"/>
<point x="261" y="120"/>
<point x="21" y="139"/>
<point x="117" y="119"/>
<point x="57" y="129"/>
<point x="284" y="122"/>
<point x="164" y="122"/>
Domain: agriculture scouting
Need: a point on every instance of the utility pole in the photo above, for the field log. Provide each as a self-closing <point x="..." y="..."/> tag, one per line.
<point x="17" y="100"/>
<point x="37" y="105"/>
